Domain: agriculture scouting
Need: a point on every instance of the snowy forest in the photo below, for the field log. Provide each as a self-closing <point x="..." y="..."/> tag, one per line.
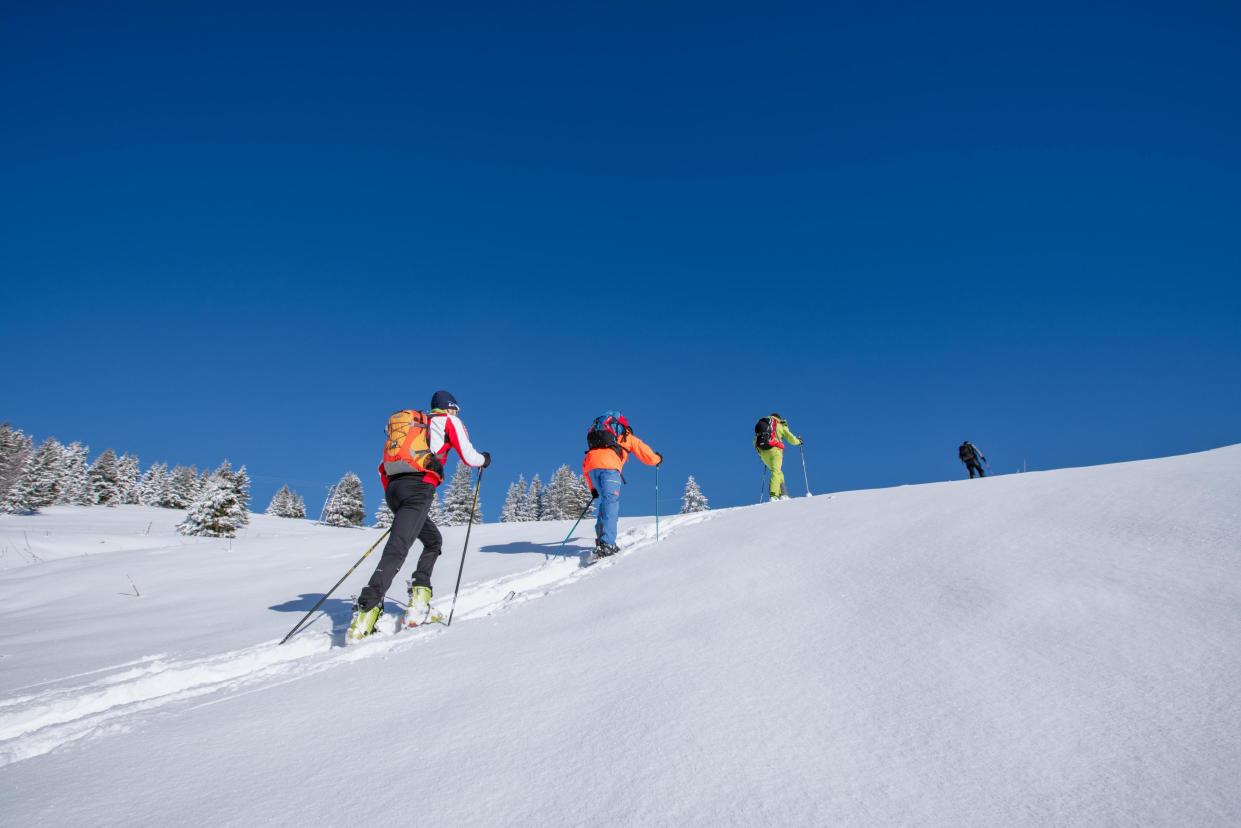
<point x="217" y="502"/>
<point x="567" y="497"/>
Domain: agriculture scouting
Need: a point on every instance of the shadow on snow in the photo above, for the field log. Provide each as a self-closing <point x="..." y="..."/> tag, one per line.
<point x="553" y="549"/>
<point x="340" y="610"/>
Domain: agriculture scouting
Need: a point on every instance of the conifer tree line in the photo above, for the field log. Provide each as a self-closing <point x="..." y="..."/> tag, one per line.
<point x="57" y="474"/>
<point x="217" y="502"/>
<point x="563" y="498"/>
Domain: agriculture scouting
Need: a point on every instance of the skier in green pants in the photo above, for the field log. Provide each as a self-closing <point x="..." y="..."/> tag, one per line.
<point x="770" y="435"/>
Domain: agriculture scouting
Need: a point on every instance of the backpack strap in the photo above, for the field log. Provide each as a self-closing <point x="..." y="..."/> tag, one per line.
<point x="620" y="450"/>
<point x="410" y="434"/>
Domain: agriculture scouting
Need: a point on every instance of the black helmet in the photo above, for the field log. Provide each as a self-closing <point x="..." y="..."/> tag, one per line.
<point x="443" y="400"/>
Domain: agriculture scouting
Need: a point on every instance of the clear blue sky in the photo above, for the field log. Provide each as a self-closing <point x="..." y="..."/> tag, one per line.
<point x="251" y="231"/>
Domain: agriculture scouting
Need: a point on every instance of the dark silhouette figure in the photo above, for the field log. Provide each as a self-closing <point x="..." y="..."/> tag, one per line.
<point x="972" y="458"/>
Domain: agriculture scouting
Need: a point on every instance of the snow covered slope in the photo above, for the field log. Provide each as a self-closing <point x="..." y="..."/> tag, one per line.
<point x="1053" y="648"/>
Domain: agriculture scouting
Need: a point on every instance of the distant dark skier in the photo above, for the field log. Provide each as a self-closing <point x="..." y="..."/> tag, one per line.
<point x="972" y="458"/>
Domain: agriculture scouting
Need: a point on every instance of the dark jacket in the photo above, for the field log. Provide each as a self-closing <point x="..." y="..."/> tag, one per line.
<point x="969" y="453"/>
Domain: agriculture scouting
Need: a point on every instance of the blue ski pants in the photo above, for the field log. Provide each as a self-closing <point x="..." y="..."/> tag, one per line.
<point x="607" y="482"/>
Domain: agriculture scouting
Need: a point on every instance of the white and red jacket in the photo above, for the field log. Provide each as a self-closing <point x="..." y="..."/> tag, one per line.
<point x="445" y="432"/>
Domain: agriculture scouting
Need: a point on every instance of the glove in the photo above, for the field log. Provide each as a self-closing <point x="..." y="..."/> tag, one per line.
<point x="486" y="459"/>
<point x="593" y="494"/>
<point x="661" y="459"/>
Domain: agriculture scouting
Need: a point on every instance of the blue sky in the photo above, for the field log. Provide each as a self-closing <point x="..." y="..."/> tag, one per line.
<point x="251" y="231"/>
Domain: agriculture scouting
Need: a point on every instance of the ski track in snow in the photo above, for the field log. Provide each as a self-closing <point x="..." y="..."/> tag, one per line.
<point x="35" y="724"/>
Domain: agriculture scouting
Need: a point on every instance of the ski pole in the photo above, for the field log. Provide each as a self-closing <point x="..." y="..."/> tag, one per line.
<point x="762" y="492"/>
<point x="477" y="485"/>
<point x="298" y="626"/>
<point x="803" y="470"/>
<point x="657" y="503"/>
<point x="574" y="529"/>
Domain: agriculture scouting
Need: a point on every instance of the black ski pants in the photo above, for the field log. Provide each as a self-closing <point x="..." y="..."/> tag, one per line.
<point x="410" y="501"/>
<point x="974" y="465"/>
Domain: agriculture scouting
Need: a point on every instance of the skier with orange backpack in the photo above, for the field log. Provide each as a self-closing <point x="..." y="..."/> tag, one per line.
<point x="610" y="441"/>
<point x="415" y="450"/>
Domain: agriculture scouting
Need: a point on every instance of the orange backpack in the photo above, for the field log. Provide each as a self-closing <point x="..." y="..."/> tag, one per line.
<point x="407" y="447"/>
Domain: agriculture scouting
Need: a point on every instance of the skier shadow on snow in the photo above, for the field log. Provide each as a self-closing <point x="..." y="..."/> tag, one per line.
<point x="340" y="610"/>
<point x="553" y="549"/>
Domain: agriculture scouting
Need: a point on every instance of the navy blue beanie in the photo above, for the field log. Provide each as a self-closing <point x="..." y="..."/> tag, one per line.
<point x="443" y="400"/>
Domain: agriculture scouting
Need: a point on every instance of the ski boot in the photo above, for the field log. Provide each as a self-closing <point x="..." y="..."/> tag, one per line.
<point x="603" y="550"/>
<point x="418" y="610"/>
<point x="363" y="623"/>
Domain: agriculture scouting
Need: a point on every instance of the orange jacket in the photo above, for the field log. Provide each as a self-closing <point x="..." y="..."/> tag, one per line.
<point x="605" y="458"/>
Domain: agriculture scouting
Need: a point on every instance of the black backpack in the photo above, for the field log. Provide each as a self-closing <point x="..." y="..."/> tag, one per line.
<point x="764" y="433"/>
<point x="605" y="431"/>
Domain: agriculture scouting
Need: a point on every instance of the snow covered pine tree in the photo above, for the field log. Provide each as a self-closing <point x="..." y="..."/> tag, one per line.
<point x="241" y="486"/>
<point x="19" y="499"/>
<point x="510" y="512"/>
<point x="152" y="488"/>
<point x="566" y="496"/>
<point x="182" y="487"/>
<point x="383" y="515"/>
<point x="281" y="503"/>
<point x="693" y="500"/>
<point x="214" y="513"/>
<point x="15" y="450"/>
<point x="346" y="507"/>
<point x="74" y="486"/>
<point x="127" y="479"/>
<point x="460" y="499"/>
<point x="104" y="479"/>
<point x="38" y="483"/>
<point x="532" y="500"/>
<point x="438" y="514"/>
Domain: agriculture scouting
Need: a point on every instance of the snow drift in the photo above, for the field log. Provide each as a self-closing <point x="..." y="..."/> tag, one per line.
<point x="1050" y="648"/>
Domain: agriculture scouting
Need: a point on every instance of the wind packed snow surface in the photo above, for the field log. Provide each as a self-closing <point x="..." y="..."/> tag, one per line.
<point x="1058" y="648"/>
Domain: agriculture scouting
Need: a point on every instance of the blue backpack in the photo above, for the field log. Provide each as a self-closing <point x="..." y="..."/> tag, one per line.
<point x="606" y="430"/>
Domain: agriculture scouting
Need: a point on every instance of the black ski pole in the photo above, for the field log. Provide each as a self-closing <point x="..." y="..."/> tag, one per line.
<point x="298" y="626"/>
<point x="477" y="485"/>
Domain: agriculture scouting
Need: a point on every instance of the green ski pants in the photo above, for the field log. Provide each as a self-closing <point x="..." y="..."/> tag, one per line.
<point x="773" y="459"/>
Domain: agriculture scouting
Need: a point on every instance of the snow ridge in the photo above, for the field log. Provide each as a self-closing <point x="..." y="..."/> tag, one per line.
<point x="37" y="723"/>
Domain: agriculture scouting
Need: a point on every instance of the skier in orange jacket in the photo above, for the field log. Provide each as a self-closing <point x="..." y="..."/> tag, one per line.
<point x="611" y="441"/>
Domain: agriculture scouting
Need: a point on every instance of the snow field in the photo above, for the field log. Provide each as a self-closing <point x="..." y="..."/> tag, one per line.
<point x="36" y="723"/>
<point x="1056" y="648"/>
